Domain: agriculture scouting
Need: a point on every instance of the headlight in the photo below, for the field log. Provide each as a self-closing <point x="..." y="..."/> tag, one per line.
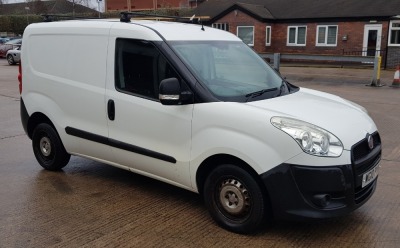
<point x="312" y="139"/>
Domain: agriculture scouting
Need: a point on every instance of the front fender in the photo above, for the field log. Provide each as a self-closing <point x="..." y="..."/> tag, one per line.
<point x="241" y="131"/>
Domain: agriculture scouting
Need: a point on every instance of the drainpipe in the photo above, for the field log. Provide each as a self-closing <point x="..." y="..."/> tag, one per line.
<point x="387" y="45"/>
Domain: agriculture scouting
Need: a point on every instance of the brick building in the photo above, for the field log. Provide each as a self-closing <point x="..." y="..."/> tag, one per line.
<point x="132" y="5"/>
<point x="350" y="27"/>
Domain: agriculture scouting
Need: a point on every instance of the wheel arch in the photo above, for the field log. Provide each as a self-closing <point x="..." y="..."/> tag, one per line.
<point x="35" y="119"/>
<point x="213" y="161"/>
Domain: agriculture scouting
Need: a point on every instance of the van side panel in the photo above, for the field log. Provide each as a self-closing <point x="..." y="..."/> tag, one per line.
<point x="66" y="67"/>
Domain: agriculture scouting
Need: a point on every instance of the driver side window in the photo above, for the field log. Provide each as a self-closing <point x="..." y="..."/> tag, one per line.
<point x="140" y="67"/>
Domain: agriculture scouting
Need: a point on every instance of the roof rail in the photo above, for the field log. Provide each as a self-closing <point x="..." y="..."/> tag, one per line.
<point x="126" y="17"/>
<point x="51" y="17"/>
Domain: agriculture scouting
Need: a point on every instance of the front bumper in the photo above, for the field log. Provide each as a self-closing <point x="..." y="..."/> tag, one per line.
<point x="300" y="192"/>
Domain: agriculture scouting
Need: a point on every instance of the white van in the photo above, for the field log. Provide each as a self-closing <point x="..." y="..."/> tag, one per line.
<point x="195" y="107"/>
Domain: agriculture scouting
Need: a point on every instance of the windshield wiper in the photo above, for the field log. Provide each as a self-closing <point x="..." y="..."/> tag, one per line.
<point x="259" y="93"/>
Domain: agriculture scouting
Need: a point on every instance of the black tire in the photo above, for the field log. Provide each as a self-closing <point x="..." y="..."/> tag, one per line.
<point x="234" y="199"/>
<point x="10" y="60"/>
<point x="48" y="148"/>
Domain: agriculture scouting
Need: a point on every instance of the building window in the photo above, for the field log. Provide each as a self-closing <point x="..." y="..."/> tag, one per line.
<point x="222" y="26"/>
<point x="296" y="36"/>
<point x="268" y="35"/>
<point x="246" y="33"/>
<point x="394" y="33"/>
<point x="327" y="35"/>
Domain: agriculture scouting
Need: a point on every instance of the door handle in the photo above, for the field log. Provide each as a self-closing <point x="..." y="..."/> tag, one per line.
<point x="111" y="110"/>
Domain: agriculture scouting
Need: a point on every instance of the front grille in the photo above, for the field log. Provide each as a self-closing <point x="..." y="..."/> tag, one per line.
<point x="361" y="149"/>
<point x="364" y="159"/>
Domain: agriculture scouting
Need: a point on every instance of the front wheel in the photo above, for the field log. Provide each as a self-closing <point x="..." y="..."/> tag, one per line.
<point x="10" y="60"/>
<point x="234" y="199"/>
<point x="48" y="148"/>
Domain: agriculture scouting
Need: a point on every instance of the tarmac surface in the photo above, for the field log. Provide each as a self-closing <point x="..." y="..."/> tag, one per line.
<point x="90" y="204"/>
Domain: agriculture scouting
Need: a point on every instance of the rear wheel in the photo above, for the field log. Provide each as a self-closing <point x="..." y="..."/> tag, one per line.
<point x="10" y="60"/>
<point x="48" y="148"/>
<point x="234" y="199"/>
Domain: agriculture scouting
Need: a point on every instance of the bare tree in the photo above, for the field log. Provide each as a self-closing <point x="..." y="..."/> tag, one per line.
<point x="81" y="2"/>
<point x="38" y="7"/>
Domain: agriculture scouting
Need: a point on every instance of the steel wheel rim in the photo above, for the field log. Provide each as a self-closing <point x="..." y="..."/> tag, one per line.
<point x="234" y="197"/>
<point x="45" y="146"/>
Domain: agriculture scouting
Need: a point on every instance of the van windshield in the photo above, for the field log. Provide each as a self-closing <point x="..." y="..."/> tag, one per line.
<point x="230" y="69"/>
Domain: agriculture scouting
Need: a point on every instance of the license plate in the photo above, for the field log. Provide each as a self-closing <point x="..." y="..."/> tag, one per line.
<point x="369" y="176"/>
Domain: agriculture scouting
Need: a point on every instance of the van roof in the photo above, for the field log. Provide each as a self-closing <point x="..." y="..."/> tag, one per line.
<point x="167" y="30"/>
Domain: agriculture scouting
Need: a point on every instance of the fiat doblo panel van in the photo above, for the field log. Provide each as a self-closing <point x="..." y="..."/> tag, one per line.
<point x="195" y="107"/>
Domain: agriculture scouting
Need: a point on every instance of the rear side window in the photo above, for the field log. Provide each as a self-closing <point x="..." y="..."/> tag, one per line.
<point x="140" y="68"/>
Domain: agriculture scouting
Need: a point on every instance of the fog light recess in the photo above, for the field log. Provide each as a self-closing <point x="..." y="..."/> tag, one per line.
<point x="321" y="200"/>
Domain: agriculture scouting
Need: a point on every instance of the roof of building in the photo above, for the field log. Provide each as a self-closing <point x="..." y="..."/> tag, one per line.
<point x="43" y="7"/>
<point x="258" y="10"/>
<point x="148" y="29"/>
<point x="301" y="9"/>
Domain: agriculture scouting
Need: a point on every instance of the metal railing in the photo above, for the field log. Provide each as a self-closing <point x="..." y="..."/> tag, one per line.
<point x="368" y="52"/>
<point x="371" y="60"/>
<point x="365" y="52"/>
<point x="275" y="58"/>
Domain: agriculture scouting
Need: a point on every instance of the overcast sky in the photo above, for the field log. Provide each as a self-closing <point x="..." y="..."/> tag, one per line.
<point x="92" y="3"/>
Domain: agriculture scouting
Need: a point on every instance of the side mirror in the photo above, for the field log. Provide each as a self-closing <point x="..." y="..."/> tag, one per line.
<point x="170" y="91"/>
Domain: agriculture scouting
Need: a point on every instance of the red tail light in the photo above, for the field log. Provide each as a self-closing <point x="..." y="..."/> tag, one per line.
<point x="20" y="77"/>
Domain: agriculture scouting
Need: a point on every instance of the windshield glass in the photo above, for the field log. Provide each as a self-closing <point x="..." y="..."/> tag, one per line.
<point x="229" y="69"/>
